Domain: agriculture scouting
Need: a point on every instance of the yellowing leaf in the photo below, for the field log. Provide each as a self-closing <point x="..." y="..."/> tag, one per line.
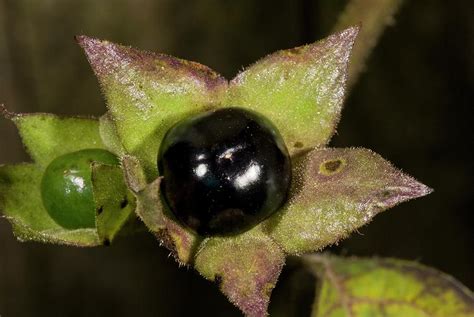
<point x="385" y="287"/>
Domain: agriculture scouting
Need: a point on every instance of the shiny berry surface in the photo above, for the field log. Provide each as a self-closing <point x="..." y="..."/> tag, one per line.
<point x="66" y="187"/>
<point x="224" y="171"/>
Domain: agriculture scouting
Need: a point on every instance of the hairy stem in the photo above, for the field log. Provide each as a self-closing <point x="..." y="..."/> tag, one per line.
<point x="374" y="16"/>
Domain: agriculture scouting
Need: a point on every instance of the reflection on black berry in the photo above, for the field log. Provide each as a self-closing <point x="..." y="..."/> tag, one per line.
<point x="224" y="171"/>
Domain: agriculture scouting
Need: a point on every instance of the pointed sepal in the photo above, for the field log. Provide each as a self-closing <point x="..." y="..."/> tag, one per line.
<point x="182" y="242"/>
<point x="335" y="192"/>
<point x="301" y="90"/>
<point x="148" y="92"/>
<point x="47" y="136"/>
<point x="245" y="266"/>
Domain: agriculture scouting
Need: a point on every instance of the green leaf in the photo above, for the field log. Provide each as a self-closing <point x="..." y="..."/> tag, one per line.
<point x="301" y="90"/>
<point x="336" y="191"/>
<point x="147" y="93"/>
<point x="115" y="204"/>
<point x="21" y="203"/>
<point x="385" y="287"/>
<point x="246" y="266"/>
<point x="157" y="217"/>
<point x="47" y="136"/>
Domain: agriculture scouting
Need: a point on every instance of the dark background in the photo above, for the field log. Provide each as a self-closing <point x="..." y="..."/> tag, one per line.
<point x="413" y="105"/>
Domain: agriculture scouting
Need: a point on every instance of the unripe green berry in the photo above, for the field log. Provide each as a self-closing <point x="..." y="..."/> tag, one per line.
<point x="66" y="187"/>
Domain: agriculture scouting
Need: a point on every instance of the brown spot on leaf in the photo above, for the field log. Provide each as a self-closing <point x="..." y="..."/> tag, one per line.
<point x="331" y="167"/>
<point x="298" y="145"/>
<point x="100" y="210"/>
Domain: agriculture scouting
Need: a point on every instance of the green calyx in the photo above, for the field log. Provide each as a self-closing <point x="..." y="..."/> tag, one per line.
<point x="334" y="191"/>
<point x="33" y="195"/>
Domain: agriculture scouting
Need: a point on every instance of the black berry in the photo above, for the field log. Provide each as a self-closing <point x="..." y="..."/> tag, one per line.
<point x="224" y="170"/>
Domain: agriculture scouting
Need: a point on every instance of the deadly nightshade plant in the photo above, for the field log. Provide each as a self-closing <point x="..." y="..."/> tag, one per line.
<point x="300" y="91"/>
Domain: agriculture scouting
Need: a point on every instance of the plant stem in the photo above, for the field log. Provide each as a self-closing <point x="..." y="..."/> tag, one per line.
<point x="374" y="16"/>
